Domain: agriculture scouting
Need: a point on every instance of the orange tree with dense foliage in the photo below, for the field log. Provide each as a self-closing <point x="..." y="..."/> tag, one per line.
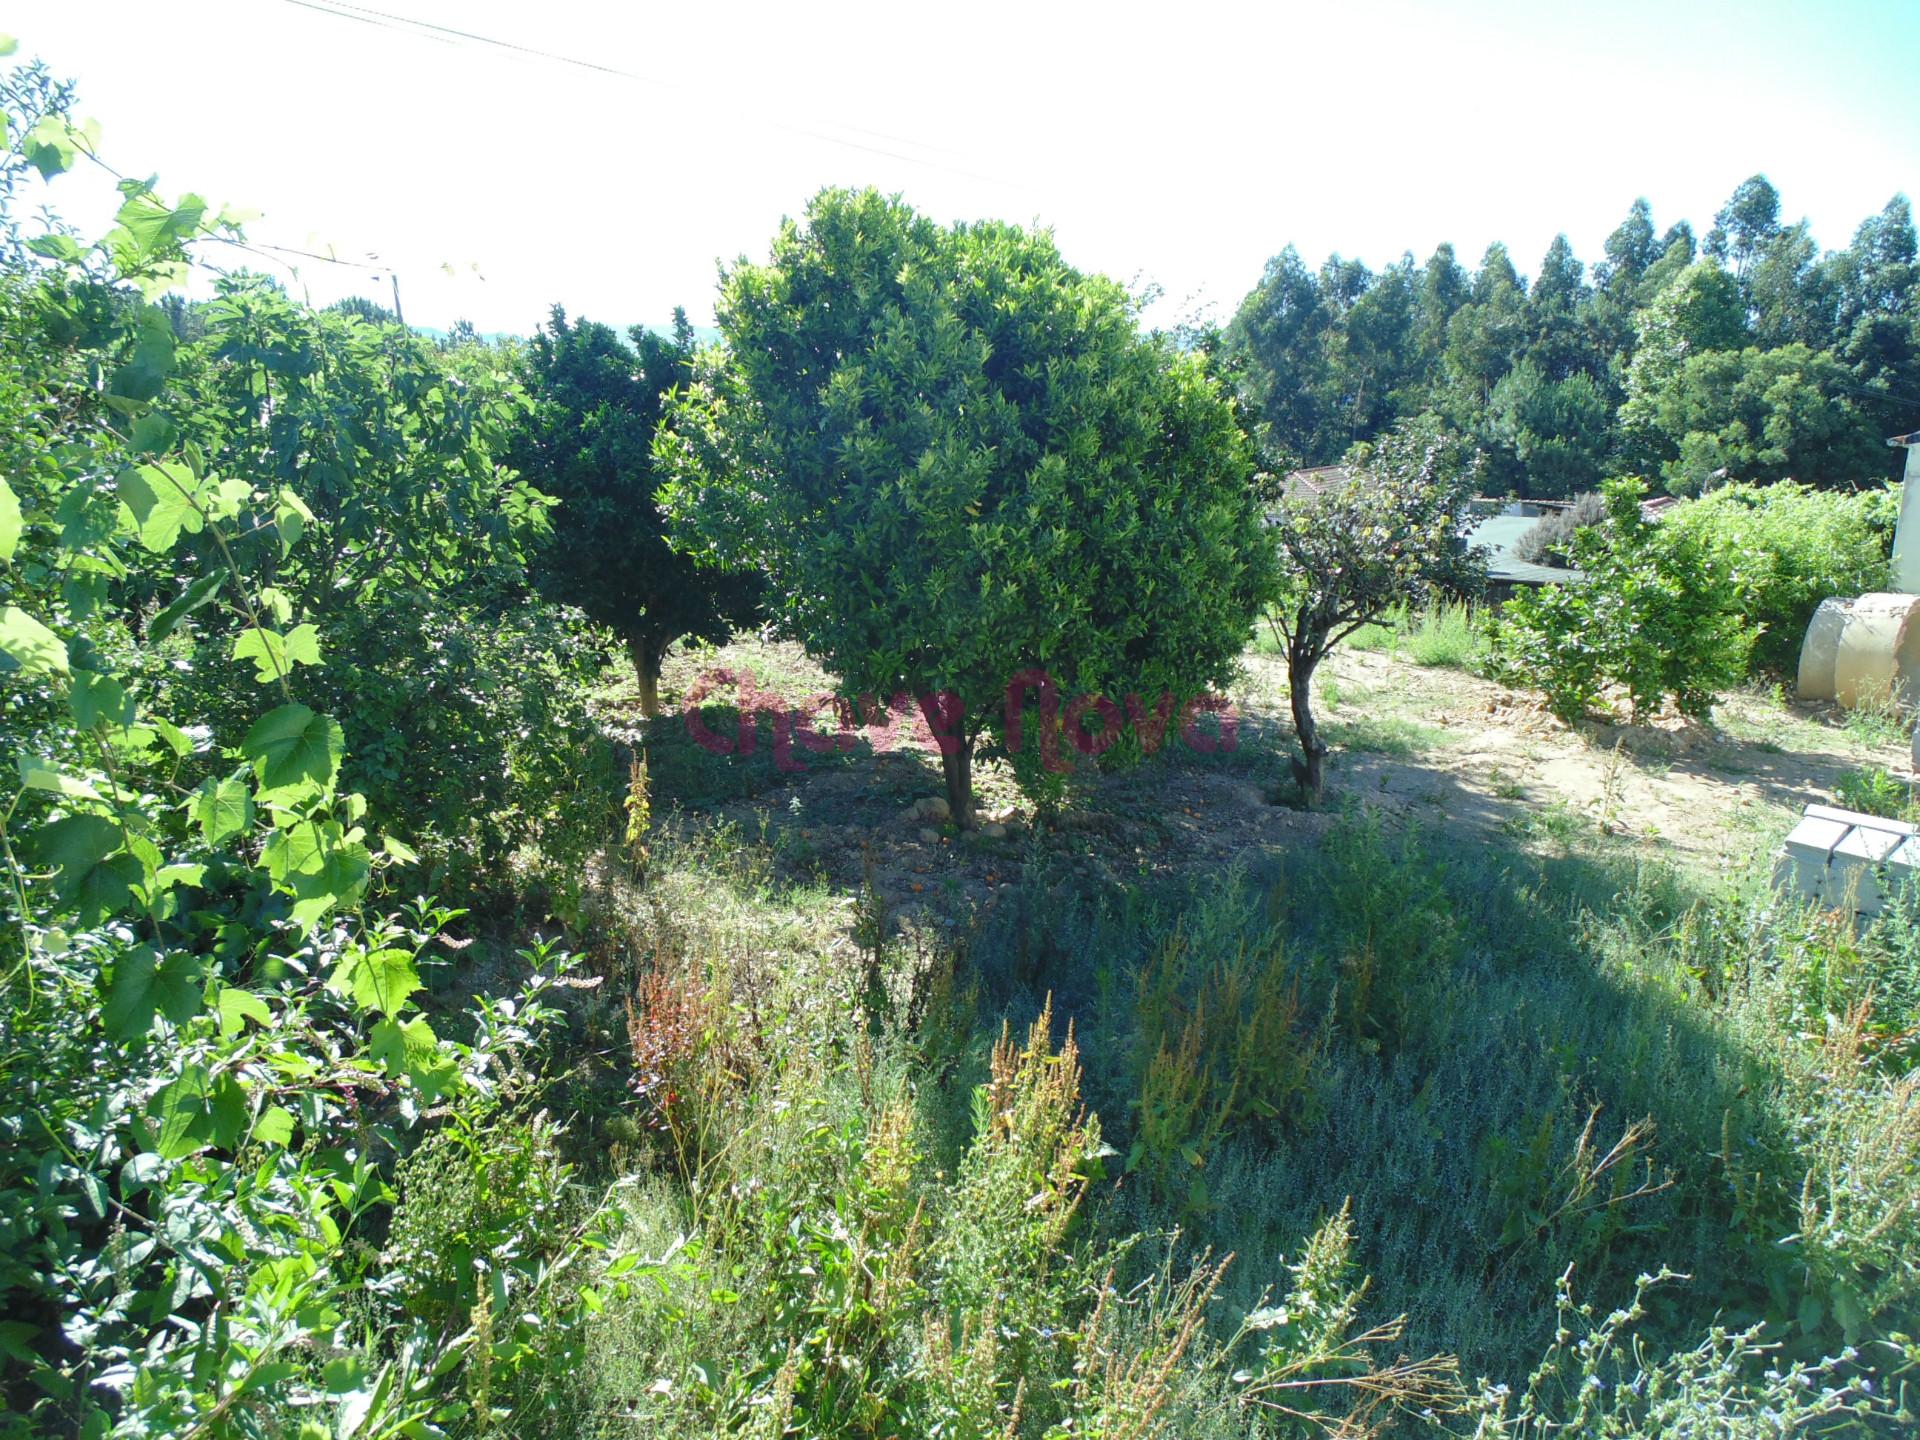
<point x="957" y="459"/>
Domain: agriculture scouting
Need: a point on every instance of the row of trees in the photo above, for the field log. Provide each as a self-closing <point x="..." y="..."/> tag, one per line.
<point x="903" y="417"/>
<point x="960" y="469"/>
<point x="1747" y="351"/>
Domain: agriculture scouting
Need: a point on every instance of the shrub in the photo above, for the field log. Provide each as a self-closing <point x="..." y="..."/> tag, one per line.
<point x="1657" y="615"/>
<point x="1388" y="534"/>
<point x="458" y="691"/>
<point x="958" y="460"/>
<point x="1788" y="547"/>
<point x="1550" y="541"/>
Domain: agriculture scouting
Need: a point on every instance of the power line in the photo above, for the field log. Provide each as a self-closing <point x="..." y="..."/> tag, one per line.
<point x="371" y="19"/>
<point x="448" y="34"/>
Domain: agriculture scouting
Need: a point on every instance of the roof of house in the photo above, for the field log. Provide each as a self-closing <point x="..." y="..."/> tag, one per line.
<point x="1658" y="505"/>
<point x="1500" y="534"/>
<point x="1315" y="480"/>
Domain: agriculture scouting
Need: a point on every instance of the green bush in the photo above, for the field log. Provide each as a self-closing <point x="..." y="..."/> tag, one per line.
<point x="459" y="691"/>
<point x="1657" y="615"/>
<point x="1787" y="547"/>
<point x="1550" y="541"/>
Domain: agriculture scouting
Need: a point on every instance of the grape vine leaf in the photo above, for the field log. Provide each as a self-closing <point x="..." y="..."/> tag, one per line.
<point x="273" y="654"/>
<point x="377" y="979"/>
<point x="161" y="498"/>
<point x="292" y="744"/>
<point x="31" y="647"/>
<point x="223" y="808"/>
<point x="198" y="1110"/>
<point x="144" y="985"/>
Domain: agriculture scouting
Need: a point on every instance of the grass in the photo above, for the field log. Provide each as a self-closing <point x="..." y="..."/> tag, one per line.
<point x="1385" y="734"/>
<point x="1504" y="1080"/>
<point x="1878" y="721"/>
<point x="1556" y="821"/>
<point x="1467" y="1073"/>
<point x="1876" y="791"/>
<point x="1445" y="634"/>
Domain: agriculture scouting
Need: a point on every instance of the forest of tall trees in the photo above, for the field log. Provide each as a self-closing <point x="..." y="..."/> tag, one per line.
<point x="1746" y="354"/>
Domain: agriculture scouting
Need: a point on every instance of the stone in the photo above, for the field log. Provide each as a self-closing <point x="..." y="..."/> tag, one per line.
<point x="935" y="807"/>
<point x="930" y="836"/>
<point x="993" y="830"/>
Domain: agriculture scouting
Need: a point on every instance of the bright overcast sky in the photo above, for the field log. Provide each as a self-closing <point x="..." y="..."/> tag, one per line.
<point x="1180" y="144"/>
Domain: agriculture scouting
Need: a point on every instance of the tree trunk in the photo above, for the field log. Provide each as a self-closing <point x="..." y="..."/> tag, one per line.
<point x="1310" y="769"/>
<point x="646" y="654"/>
<point x="958" y="770"/>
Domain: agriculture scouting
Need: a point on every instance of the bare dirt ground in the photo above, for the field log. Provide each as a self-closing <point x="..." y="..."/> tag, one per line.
<point x="1429" y="746"/>
<point x="1705" y="796"/>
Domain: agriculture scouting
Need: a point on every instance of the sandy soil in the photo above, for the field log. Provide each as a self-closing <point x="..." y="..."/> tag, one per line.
<point x="1423" y="745"/>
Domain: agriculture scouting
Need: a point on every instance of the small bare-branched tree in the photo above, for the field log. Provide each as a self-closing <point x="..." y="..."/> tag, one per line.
<point x="1389" y="532"/>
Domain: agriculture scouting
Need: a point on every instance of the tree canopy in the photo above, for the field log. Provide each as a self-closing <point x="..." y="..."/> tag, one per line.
<point x="587" y="441"/>
<point x="1576" y="374"/>
<point x="957" y="459"/>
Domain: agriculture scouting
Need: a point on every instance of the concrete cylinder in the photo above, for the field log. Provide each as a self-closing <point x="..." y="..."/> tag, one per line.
<point x="1817" y="651"/>
<point x="1863" y="650"/>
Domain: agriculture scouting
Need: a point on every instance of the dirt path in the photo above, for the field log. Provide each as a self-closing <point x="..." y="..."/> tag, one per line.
<point x="1482" y="754"/>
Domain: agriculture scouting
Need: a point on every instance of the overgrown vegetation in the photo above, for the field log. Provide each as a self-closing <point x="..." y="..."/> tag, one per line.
<point x="215" y="1041"/>
<point x="1379" y="1133"/>
<point x="1788" y="547"/>
<point x="1447" y="633"/>
<point x="1657" y="616"/>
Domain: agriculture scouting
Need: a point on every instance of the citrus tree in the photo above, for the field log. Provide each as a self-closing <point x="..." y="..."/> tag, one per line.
<point x="1659" y="615"/>
<point x="958" y="462"/>
<point x="588" y="442"/>
<point x="1389" y="533"/>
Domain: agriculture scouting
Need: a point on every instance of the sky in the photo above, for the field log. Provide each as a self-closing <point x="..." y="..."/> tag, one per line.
<point x="1174" y="145"/>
